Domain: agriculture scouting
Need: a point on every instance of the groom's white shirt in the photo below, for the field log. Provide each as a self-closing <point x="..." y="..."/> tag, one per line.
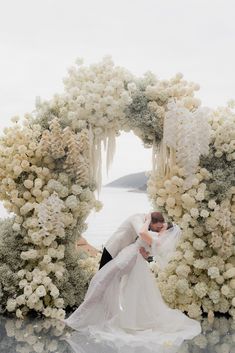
<point x="125" y="234"/>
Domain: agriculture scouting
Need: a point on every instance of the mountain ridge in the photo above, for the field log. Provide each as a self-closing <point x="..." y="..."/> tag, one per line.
<point x="136" y="181"/>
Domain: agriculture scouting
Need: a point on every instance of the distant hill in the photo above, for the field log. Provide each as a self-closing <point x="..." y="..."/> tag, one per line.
<point x="136" y="181"/>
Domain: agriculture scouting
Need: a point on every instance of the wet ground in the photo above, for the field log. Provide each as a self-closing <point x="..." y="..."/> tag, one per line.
<point x="51" y="335"/>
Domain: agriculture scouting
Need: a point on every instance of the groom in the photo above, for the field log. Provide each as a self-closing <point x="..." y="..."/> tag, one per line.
<point x="128" y="232"/>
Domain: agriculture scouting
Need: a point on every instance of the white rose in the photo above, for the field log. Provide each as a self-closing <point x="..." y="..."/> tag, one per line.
<point x="230" y="273"/>
<point x="54" y="290"/>
<point x="28" y="183"/>
<point x="41" y="291"/>
<point x="28" y="206"/>
<point x="59" y="302"/>
<point x="160" y="201"/>
<point x="20" y="299"/>
<point x="212" y="204"/>
<point x="23" y="283"/>
<point x="19" y="314"/>
<point x="47" y="311"/>
<point x="46" y="281"/>
<point x="11" y="304"/>
<point x="170" y="201"/>
<point x="204" y="213"/>
<point x="28" y="290"/>
<point x="60" y="314"/>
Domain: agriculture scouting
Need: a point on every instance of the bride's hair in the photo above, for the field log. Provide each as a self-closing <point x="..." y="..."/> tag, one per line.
<point x="157" y="217"/>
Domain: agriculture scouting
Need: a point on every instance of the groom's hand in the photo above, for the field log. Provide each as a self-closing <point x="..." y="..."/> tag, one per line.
<point x="148" y="217"/>
<point x="143" y="252"/>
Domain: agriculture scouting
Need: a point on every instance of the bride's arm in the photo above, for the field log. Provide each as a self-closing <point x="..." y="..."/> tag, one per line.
<point x="137" y="223"/>
<point x="145" y="234"/>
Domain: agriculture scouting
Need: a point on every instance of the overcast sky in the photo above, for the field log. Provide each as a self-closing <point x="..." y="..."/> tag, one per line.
<point x="40" y="39"/>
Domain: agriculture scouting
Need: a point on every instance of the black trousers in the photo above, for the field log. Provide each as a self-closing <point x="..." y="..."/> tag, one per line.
<point x="106" y="257"/>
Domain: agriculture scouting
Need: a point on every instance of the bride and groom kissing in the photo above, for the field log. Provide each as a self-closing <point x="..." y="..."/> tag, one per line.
<point x="123" y="302"/>
<point x="128" y="233"/>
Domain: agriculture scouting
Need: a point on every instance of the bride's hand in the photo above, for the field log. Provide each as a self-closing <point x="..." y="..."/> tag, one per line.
<point x="164" y="227"/>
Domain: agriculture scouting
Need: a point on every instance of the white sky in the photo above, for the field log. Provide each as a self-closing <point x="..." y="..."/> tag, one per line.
<point x="40" y="39"/>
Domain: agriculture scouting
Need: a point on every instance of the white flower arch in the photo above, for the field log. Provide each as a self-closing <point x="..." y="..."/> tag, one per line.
<point x="51" y="166"/>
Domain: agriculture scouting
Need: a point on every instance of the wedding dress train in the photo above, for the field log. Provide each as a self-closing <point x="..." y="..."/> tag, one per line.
<point x="124" y="306"/>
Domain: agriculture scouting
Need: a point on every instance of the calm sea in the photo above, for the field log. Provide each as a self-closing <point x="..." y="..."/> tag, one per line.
<point x="118" y="204"/>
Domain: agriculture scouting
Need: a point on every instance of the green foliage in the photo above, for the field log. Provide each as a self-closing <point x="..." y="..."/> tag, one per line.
<point x="11" y="245"/>
<point x="223" y="174"/>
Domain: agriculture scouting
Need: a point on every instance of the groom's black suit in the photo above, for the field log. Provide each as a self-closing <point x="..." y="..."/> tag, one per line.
<point x="106" y="257"/>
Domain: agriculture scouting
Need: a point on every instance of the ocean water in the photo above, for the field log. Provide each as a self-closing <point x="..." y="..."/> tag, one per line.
<point x="118" y="204"/>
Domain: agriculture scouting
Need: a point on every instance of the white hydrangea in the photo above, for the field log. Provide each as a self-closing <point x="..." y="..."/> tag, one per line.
<point x="199" y="244"/>
<point x="194" y="212"/>
<point x="213" y="272"/>
<point x="204" y="213"/>
<point x="194" y="310"/>
<point x="183" y="270"/>
<point x="71" y="202"/>
<point x="212" y="204"/>
<point x="214" y="295"/>
<point x="200" y="263"/>
<point x="201" y="289"/>
<point x="182" y="285"/>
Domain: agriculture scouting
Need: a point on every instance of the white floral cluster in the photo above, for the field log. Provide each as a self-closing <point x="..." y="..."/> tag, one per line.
<point x="173" y="89"/>
<point x="51" y="165"/>
<point x="91" y="264"/>
<point x="95" y="97"/>
<point x="47" y="201"/>
<point x="188" y="134"/>
<point x="106" y="99"/>
<point x="95" y="94"/>
<point x="67" y="148"/>
<point x="38" y="288"/>
<point x="150" y="97"/>
<point x="224" y="132"/>
<point x="200" y="277"/>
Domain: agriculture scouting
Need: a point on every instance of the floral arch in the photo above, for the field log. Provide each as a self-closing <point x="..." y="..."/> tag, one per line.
<point x="50" y="166"/>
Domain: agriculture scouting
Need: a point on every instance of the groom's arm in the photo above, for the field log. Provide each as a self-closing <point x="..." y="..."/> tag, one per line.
<point x="137" y="223"/>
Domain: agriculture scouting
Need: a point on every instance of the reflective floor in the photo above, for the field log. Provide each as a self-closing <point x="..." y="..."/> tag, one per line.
<point x="50" y="335"/>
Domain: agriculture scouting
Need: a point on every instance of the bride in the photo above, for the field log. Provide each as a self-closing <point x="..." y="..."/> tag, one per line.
<point x="123" y="304"/>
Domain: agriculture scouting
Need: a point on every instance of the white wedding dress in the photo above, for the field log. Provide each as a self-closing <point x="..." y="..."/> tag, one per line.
<point x="124" y="306"/>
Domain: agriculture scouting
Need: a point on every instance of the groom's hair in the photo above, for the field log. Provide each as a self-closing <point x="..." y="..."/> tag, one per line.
<point x="157" y="217"/>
